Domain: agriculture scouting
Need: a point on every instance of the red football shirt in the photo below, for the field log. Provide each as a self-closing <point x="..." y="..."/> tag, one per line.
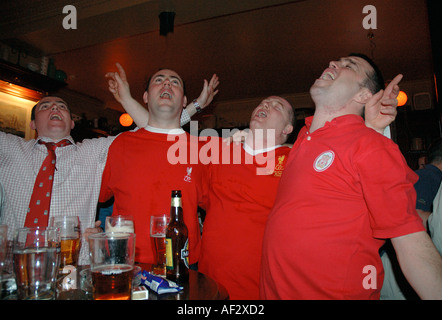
<point x="241" y="196"/>
<point x="141" y="172"/>
<point x="345" y="189"/>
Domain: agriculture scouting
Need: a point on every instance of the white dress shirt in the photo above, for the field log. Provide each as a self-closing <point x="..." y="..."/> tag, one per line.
<point x="77" y="180"/>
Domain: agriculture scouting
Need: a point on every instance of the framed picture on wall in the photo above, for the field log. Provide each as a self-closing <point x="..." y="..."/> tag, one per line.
<point x="15" y="109"/>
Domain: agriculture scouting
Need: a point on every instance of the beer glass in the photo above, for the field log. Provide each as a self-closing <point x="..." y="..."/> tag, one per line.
<point x="158" y="226"/>
<point x="36" y="257"/>
<point x="70" y="239"/>
<point x="120" y="223"/>
<point x="3" y="248"/>
<point x="112" y="262"/>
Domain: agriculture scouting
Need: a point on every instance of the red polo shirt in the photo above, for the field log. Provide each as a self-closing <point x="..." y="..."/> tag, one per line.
<point x="345" y="189"/>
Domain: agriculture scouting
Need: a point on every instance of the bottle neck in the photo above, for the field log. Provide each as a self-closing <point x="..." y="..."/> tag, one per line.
<point x="176" y="209"/>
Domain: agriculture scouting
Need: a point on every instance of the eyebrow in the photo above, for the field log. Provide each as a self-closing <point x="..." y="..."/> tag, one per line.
<point x="171" y="76"/>
<point x="56" y="101"/>
<point x="351" y="61"/>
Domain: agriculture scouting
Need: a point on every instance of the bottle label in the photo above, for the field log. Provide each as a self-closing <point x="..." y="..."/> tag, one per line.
<point x="176" y="202"/>
<point x="185" y="253"/>
<point x="169" y="257"/>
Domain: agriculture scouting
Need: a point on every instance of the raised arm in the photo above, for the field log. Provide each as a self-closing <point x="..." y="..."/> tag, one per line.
<point x="380" y="110"/>
<point x="119" y="87"/>
<point x="206" y="96"/>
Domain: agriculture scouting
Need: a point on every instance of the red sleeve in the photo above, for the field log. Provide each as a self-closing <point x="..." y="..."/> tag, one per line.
<point x="106" y="192"/>
<point x="388" y="185"/>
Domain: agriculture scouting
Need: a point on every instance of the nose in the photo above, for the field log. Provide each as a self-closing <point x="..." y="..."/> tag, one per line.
<point x="54" y="106"/>
<point x="166" y="82"/>
<point x="333" y="64"/>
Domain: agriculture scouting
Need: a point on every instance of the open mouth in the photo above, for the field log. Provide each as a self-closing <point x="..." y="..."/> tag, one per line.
<point x="55" y="117"/>
<point x="327" y="75"/>
<point x="165" y="95"/>
<point x="261" y="114"/>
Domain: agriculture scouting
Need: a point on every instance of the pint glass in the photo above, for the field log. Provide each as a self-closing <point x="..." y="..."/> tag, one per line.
<point x="112" y="263"/>
<point x="70" y="239"/>
<point x="36" y="257"/>
<point x="158" y="226"/>
<point x="120" y="223"/>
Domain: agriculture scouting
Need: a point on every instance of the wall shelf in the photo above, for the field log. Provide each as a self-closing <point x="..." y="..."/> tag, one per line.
<point x="18" y="75"/>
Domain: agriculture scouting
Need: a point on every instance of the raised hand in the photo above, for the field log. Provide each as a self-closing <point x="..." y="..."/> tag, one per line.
<point x="208" y="92"/>
<point x="118" y="84"/>
<point x="381" y="110"/>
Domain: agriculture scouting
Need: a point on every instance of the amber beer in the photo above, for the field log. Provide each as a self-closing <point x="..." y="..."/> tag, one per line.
<point x="112" y="261"/>
<point x="159" y="243"/>
<point x="112" y="282"/>
<point x="70" y="249"/>
<point x="177" y="250"/>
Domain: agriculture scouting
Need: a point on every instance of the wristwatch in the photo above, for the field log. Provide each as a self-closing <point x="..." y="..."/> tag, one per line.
<point x="197" y="106"/>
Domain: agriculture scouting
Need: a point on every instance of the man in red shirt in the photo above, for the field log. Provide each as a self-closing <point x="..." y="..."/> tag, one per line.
<point x="242" y="188"/>
<point x="139" y="173"/>
<point x="344" y="191"/>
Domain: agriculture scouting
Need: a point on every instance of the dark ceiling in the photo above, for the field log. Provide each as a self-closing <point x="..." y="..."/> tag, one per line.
<point x="257" y="47"/>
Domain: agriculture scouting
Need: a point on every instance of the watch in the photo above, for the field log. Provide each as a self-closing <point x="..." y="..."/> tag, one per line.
<point x="197" y="106"/>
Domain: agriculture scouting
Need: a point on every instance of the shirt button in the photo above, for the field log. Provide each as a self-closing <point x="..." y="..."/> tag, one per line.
<point x="309" y="138"/>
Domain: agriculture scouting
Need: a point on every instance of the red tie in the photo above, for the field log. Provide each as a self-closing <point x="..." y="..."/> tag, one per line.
<point x="38" y="212"/>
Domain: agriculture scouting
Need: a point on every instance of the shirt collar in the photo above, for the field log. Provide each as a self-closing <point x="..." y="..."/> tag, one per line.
<point x="46" y="139"/>
<point x="164" y="131"/>
<point x="253" y="152"/>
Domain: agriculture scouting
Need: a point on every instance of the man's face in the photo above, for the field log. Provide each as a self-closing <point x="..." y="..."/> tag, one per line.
<point x="52" y="118"/>
<point x="342" y="80"/>
<point x="273" y="113"/>
<point x="165" y="93"/>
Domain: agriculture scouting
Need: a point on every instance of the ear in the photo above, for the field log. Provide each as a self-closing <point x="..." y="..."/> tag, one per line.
<point x="288" y="129"/>
<point x="72" y="124"/>
<point x="363" y="96"/>
<point x="184" y="101"/>
<point x="32" y="125"/>
<point x="145" y="95"/>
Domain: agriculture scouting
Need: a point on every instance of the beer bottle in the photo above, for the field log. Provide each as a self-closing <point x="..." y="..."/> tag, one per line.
<point x="177" y="243"/>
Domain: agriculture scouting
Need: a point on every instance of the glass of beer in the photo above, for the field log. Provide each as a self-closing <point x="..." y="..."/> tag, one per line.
<point x="70" y="239"/>
<point x="112" y="262"/>
<point x="36" y="257"/>
<point x="158" y="226"/>
<point x="119" y="223"/>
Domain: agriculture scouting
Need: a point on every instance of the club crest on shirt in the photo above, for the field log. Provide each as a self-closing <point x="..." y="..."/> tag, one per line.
<point x="279" y="167"/>
<point x="187" y="177"/>
<point x="324" y="161"/>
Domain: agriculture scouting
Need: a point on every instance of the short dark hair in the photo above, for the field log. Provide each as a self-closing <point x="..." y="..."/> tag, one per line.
<point x="35" y="107"/>
<point x="435" y="151"/>
<point x="375" y="80"/>
<point x="150" y="78"/>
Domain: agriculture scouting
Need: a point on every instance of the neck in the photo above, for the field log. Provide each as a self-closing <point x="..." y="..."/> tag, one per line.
<point x="326" y="113"/>
<point x="164" y="123"/>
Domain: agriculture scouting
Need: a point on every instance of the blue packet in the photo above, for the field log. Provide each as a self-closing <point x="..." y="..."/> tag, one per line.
<point x="158" y="284"/>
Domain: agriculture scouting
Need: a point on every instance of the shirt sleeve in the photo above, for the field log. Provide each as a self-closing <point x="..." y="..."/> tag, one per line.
<point x="388" y="188"/>
<point x="106" y="192"/>
<point x="185" y="117"/>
